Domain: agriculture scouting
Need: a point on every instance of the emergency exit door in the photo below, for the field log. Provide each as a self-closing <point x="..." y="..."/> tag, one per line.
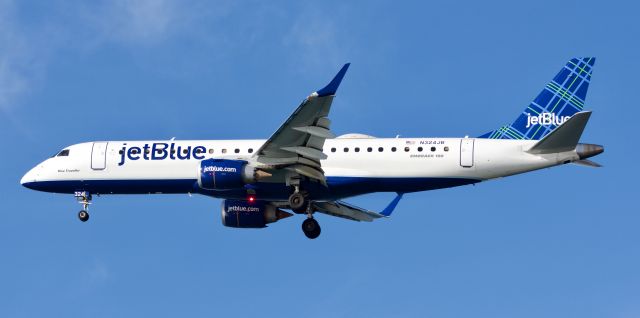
<point x="466" y="152"/>
<point x="99" y="155"/>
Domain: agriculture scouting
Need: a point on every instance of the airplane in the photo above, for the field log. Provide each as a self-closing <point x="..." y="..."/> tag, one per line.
<point x="303" y="167"/>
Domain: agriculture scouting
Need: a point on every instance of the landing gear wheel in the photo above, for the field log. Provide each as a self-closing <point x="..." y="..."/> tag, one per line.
<point x="311" y="228"/>
<point x="83" y="216"/>
<point x="298" y="202"/>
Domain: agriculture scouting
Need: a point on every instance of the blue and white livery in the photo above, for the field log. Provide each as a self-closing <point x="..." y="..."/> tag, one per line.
<point x="304" y="168"/>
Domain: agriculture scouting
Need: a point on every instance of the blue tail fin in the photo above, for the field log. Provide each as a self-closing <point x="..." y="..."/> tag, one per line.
<point x="558" y="101"/>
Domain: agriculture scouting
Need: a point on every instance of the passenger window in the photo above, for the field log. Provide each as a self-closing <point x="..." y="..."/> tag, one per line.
<point x="146" y="151"/>
<point x="419" y="149"/>
<point x="357" y="149"/>
<point x="333" y="149"/>
<point x="237" y="150"/>
<point x="346" y="149"/>
<point x="134" y="151"/>
<point x="380" y="149"/>
<point x="433" y="149"/>
<point x="211" y="150"/>
<point x="446" y="148"/>
<point x="199" y="150"/>
<point x="406" y="149"/>
<point x="120" y="152"/>
<point x="250" y="150"/>
<point x="393" y="149"/>
<point x="185" y="151"/>
<point x="369" y="149"/>
<point x="159" y="151"/>
<point x="224" y="150"/>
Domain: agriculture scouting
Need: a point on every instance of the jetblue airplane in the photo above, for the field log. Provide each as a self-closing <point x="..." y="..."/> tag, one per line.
<point x="304" y="168"/>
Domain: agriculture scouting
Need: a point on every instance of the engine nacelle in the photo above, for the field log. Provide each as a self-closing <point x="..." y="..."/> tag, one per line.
<point x="224" y="174"/>
<point x="245" y="214"/>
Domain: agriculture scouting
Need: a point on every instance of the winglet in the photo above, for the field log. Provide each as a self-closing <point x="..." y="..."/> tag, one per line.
<point x="332" y="87"/>
<point x="389" y="209"/>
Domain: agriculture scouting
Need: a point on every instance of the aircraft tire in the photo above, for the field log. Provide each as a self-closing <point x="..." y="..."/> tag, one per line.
<point x="83" y="216"/>
<point x="311" y="228"/>
<point x="298" y="202"/>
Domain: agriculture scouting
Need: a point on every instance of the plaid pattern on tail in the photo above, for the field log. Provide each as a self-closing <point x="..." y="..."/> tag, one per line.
<point x="559" y="100"/>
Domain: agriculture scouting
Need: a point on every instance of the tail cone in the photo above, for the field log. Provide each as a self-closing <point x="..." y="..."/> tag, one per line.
<point x="588" y="150"/>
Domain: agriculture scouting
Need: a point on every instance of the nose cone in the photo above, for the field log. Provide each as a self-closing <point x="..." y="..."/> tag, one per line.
<point x="28" y="179"/>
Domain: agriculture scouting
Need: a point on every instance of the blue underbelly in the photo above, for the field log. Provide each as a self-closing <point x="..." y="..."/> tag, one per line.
<point x="338" y="187"/>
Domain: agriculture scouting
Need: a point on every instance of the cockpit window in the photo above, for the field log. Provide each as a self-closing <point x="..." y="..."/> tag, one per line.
<point x="63" y="153"/>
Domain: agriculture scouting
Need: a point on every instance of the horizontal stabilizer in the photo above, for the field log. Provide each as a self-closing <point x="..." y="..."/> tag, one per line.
<point x="587" y="163"/>
<point x="563" y="138"/>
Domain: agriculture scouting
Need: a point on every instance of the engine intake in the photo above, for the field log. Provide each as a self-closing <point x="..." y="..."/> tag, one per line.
<point x="245" y="214"/>
<point x="224" y="174"/>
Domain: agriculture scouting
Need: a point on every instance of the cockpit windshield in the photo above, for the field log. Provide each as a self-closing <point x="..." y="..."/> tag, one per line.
<point x="63" y="153"/>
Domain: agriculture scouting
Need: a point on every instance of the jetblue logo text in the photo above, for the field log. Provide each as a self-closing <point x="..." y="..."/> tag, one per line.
<point x="218" y="169"/>
<point x="546" y="119"/>
<point x="238" y="208"/>
<point x="161" y="151"/>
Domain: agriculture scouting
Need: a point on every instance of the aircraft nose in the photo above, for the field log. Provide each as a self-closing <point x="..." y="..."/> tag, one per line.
<point x="28" y="178"/>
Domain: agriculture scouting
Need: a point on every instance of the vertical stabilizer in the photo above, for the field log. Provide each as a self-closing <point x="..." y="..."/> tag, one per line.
<point x="560" y="99"/>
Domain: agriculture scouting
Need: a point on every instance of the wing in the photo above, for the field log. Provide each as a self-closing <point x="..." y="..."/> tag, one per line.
<point x="297" y="145"/>
<point x="351" y="212"/>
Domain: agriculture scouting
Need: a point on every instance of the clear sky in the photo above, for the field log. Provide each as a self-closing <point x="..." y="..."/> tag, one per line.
<point x="561" y="242"/>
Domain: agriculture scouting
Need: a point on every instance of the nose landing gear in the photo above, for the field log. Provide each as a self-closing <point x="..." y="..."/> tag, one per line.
<point x="83" y="216"/>
<point x="83" y="198"/>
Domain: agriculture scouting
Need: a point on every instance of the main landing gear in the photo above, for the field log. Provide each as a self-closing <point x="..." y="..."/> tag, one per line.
<point x="311" y="228"/>
<point x="299" y="203"/>
<point x="83" y="198"/>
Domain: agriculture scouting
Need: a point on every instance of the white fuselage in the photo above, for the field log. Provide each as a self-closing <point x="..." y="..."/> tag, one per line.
<point x="354" y="165"/>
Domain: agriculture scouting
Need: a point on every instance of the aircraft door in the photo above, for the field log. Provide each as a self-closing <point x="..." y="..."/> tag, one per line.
<point x="99" y="155"/>
<point x="466" y="152"/>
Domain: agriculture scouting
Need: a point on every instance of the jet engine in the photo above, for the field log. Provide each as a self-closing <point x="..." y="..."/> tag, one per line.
<point x="245" y="214"/>
<point x="225" y="174"/>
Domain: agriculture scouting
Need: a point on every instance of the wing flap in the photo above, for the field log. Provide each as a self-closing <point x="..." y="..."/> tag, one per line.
<point x="309" y="172"/>
<point x="307" y="152"/>
<point x="317" y="131"/>
<point x="276" y="163"/>
<point x="340" y="209"/>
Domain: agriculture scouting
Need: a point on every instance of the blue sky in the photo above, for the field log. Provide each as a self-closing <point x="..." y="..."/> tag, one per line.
<point x="560" y="242"/>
